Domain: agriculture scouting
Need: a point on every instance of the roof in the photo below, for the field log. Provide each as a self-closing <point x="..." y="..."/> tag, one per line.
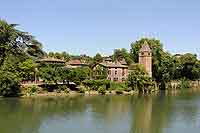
<point x="123" y="62"/>
<point x="50" y="60"/>
<point x="75" y="62"/>
<point x="113" y="65"/>
<point x="145" y="47"/>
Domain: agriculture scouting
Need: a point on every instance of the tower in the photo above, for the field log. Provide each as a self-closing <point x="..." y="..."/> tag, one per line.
<point x="145" y="58"/>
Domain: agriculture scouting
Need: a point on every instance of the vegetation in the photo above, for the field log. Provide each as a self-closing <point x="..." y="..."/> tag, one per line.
<point x="20" y="50"/>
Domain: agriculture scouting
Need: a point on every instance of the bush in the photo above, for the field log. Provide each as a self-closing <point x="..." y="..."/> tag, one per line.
<point x="81" y="89"/>
<point x="95" y="84"/>
<point x="9" y="84"/>
<point x="115" y="86"/>
<point x="30" y="90"/>
<point x="66" y="90"/>
<point x="102" y="90"/>
<point x="184" y="84"/>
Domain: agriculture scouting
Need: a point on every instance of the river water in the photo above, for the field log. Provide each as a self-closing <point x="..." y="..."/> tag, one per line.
<point x="102" y="114"/>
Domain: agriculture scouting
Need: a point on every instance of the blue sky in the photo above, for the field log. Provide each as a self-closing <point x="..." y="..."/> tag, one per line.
<point x="91" y="26"/>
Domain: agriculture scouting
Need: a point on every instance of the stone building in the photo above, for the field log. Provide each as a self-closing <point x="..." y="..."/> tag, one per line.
<point x="145" y="58"/>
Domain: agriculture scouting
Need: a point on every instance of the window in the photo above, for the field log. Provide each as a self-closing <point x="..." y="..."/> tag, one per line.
<point x="115" y="79"/>
<point x="109" y="72"/>
<point x="123" y="72"/>
<point x="149" y="54"/>
<point x="142" y="53"/>
<point x="115" y="72"/>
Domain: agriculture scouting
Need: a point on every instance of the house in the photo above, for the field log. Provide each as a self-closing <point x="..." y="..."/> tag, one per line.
<point x="116" y="71"/>
<point x="76" y="63"/>
<point x="51" y="61"/>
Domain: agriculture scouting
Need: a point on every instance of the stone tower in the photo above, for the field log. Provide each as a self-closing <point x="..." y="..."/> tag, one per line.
<point x="145" y="58"/>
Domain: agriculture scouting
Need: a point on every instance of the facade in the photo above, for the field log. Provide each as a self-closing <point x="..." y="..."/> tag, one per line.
<point x="116" y="71"/>
<point x="145" y="58"/>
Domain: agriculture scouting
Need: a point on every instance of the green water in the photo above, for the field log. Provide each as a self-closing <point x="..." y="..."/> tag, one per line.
<point x="102" y="114"/>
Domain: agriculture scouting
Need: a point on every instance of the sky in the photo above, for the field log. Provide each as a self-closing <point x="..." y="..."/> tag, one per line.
<point x="91" y="26"/>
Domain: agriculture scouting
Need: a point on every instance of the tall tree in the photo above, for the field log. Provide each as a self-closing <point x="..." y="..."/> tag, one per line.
<point x="13" y="41"/>
<point x="122" y="54"/>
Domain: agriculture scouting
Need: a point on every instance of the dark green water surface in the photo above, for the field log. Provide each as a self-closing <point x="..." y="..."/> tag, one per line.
<point x="102" y="114"/>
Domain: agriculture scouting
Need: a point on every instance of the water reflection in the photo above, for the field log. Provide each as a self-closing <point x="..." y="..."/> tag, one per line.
<point x="101" y="114"/>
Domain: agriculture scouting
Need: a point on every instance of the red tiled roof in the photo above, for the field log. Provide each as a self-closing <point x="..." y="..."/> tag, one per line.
<point x="75" y="62"/>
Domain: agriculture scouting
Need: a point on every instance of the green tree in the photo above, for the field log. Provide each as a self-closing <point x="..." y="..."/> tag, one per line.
<point x="99" y="72"/>
<point x="120" y="54"/>
<point x="9" y="84"/>
<point x="163" y="67"/>
<point x="15" y="42"/>
<point x="27" y="69"/>
<point x="138" y="78"/>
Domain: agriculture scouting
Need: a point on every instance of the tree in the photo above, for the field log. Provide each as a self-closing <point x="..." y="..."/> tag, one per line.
<point x="155" y="45"/>
<point x="65" y="56"/>
<point x="50" y="74"/>
<point x="162" y="61"/>
<point x="9" y="84"/>
<point x="138" y="78"/>
<point x="98" y="58"/>
<point x="120" y="54"/>
<point x="15" y="42"/>
<point x="99" y="72"/>
<point x="27" y="69"/>
<point x="188" y="62"/>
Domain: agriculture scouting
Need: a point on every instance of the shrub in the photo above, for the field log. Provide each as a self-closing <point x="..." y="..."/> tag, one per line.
<point x="9" y="84"/>
<point x="102" y="90"/>
<point x="115" y="86"/>
<point x="81" y="89"/>
<point x="66" y="90"/>
<point x="30" y="90"/>
<point x="95" y="84"/>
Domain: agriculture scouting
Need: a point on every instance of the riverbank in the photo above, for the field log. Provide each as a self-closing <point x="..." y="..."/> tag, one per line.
<point x="75" y="93"/>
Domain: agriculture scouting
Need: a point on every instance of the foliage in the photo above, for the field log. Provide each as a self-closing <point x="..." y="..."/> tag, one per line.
<point x="120" y="54"/>
<point x="99" y="72"/>
<point x="184" y="84"/>
<point x="81" y="89"/>
<point x="95" y="84"/>
<point x="116" y="85"/>
<point x="15" y="42"/>
<point x="63" y="55"/>
<point x="102" y="90"/>
<point x="50" y="74"/>
<point x="9" y="84"/>
<point x="30" y="90"/>
<point x="138" y="78"/>
<point x="27" y="69"/>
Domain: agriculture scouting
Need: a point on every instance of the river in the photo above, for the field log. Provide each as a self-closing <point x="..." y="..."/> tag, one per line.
<point x="160" y="113"/>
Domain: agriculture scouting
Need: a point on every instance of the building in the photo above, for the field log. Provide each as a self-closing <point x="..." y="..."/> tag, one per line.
<point x="51" y="61"/>
<point x="145" y="58"/>
<point x="116" y="71"/>
<point x="76" y="63"/>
